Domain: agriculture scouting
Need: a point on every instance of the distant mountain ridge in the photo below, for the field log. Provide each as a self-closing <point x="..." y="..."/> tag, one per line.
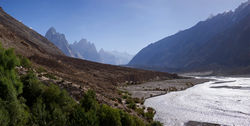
<point x="221" y="43"/>
<point x="115" y="57"/>
<point x="86" y="50"/>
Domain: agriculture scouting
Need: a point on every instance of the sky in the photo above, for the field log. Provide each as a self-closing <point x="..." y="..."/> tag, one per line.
<point x="122" y="25"/>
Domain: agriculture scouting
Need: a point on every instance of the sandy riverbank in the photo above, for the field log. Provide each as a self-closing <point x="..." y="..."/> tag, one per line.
<point x="152" y="89"/>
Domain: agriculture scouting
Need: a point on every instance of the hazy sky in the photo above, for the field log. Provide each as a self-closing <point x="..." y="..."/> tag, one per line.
<point x="122" y="25"/>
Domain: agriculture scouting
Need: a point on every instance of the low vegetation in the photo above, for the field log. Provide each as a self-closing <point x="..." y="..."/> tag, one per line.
<point x="137" y="105"/>
<point x="24" y="100"/>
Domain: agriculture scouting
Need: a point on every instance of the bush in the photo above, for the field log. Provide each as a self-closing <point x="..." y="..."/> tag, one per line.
<point x="4" y="115"/>
<point x="79" y="117"/>
<point x="50" y="76"/>
<point x="40" y="70"/>
<point x="156" y="123"/>
<point x="109" y="116"/>
<point x="140" y="111"/>
<point x="126" y="119"/>
<point x="88" y="101"/>
<point x="149" y="115"/>
<point x="24" y="62"/>
<point x="131" y="103"/>
<point x="137" y="100"/>
<point x="138" y="122"/>
<point x="119" y="100"/>
<point x="10" y="89"/>
<point x="129" y="100"/>
<point x="124" y="96"/>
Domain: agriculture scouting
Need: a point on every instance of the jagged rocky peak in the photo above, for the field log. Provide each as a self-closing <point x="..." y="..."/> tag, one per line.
<point x="51" y="30"/>
<point x="59" y="40"/>
<point x="53" y="33"/>
<point x="86" y="49"/>
<point x="83" y="41"/>
<point x="86" y="43"/>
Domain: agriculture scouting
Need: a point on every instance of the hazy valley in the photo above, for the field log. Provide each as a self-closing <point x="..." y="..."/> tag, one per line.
<point x="196" y="77"/>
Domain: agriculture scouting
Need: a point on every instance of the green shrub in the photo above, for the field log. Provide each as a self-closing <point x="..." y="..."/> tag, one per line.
<point x="79" y="117"/>
<point x="149" y="115"/>
<point x="126" y="119"/>
<point x="132" y="105"/>
<point x="76" y="118"/>
<point x="124" y="96"/>
<point x="88" y="101"/>
<point x="4" y="115"/>
<point x="109" y="116"/>
<point x="138" y="122"/>
<point x="156" y="123"/>
<point x="140" y="111"/>
<point x="129" y="100"/>
<point x="137" y="100"/>
<point x="10" y="89"/>
<point x="24" y="62"/>
<point x="119" y="100"/>
<point x="50" y="76"/>
<point x="40" y="70"/>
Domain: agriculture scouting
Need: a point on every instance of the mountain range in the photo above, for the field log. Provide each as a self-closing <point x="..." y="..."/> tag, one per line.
<point x="45" y="56"/>
<point x="86" y="50"/>
<point x="220" y="44"/>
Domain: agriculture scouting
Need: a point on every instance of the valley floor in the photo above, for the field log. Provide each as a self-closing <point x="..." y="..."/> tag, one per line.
<point x="156" y="88"/>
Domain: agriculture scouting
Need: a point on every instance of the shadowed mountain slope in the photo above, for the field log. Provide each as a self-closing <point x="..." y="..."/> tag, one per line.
<point x="220" y="44"/>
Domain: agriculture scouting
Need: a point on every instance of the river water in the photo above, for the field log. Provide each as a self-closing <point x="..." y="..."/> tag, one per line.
<point x="225" y="100"/>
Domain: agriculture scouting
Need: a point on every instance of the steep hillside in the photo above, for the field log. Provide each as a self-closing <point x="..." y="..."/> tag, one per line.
<point x="219" y="44"/>
<point x="26" y="41"/>
<point x="102" y="78"/>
